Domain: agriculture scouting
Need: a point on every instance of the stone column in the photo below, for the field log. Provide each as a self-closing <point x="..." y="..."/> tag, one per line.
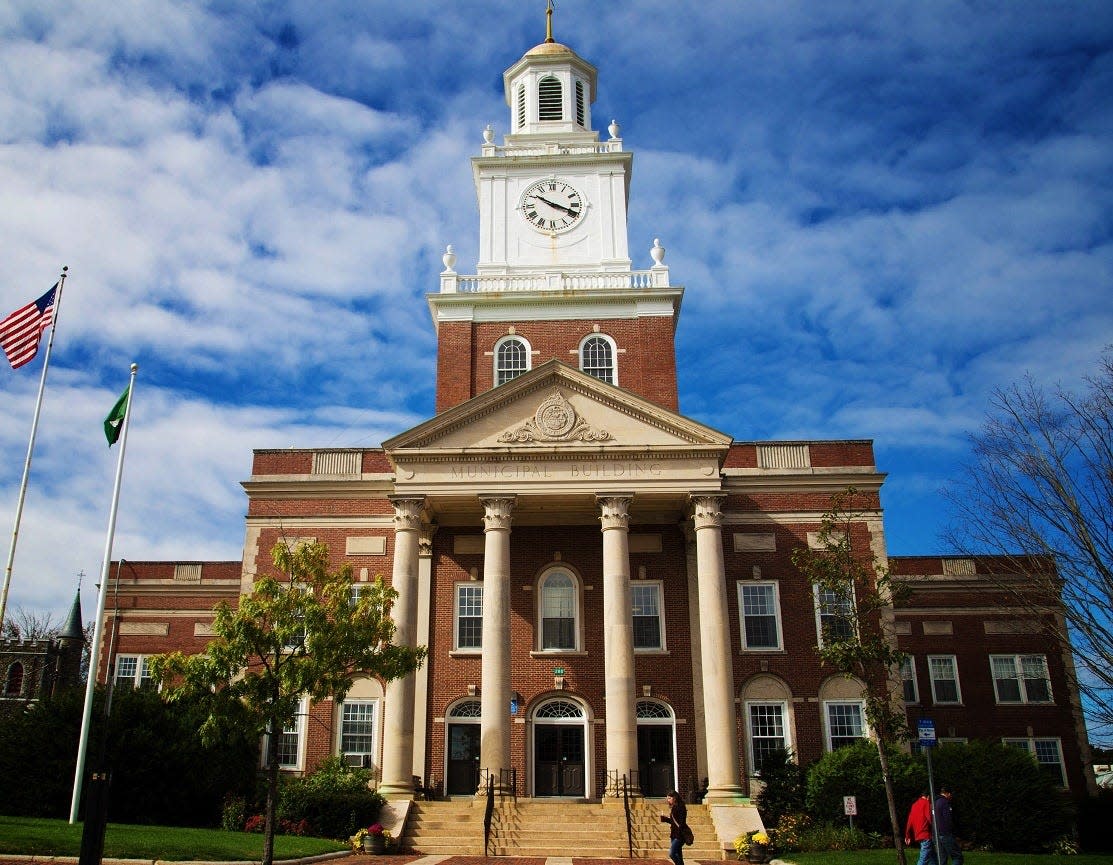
<point x="618" y="645"/>
<point x="398" y="715"/>
<point x="494" y="683"/>
<point x="724" y="775"/>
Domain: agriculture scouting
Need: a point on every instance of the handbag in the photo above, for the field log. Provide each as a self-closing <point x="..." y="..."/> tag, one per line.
<point x="687" y="836"/>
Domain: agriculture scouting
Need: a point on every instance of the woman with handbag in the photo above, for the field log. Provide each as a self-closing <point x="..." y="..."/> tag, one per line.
<point x="679" y="832"/>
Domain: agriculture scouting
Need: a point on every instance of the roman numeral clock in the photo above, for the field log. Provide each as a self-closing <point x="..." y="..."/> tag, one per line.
<point x="552" y="205"/>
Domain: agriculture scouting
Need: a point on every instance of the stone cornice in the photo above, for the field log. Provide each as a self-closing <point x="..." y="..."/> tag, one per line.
<point x="801" y="480"/>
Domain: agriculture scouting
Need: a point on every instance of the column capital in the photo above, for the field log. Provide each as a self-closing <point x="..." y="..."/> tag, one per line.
<point x="408" y="512"/>
<point x="615" y="510"/>
<point x="425" y="539"/>
<point x="706" y="511"/>
<point x="498" y="511"/>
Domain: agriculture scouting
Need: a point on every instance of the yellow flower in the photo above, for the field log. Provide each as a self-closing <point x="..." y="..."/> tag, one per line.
<point x="760" y="838"/>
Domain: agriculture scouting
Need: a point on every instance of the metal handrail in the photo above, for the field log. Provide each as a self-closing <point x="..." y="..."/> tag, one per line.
<point x="629" y="821"/>
<point x="487" y="812"/>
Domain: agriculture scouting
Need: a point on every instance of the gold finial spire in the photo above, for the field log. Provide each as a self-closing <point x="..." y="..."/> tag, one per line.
<point x="549" y="22"/>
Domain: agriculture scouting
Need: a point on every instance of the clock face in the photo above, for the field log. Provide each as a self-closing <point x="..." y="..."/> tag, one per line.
<point x="552" y="205"/>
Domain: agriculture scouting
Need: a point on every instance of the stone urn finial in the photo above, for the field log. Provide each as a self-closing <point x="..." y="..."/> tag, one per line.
<point x="449" y="259"/>
<point x="614" y="129"/>
<point x="657" y="253"/>
<point x="488" y="134"/>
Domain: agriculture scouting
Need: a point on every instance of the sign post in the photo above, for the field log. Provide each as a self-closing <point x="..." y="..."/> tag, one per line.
<point x="926" y="729"/>
<point x="850" y="808"/>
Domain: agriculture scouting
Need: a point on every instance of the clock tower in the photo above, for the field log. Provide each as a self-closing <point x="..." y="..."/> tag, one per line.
<point x="554" y="279"/>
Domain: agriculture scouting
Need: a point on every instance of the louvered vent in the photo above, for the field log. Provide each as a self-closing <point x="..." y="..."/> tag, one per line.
<point x="549" y="99"/>
<point x="580" y="103"/>
<point x="187" y="573"/>
<point x="783" y="457"/>
<point x="521" y="106"/>
<point x="345" y="463"/>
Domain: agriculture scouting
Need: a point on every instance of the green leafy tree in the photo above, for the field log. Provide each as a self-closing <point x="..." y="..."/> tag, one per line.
<point x="304" y="635"/>
<point x="858" y="641"/>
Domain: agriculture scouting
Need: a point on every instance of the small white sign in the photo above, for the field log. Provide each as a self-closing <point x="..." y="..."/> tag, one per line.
<point x="850" y="806"/>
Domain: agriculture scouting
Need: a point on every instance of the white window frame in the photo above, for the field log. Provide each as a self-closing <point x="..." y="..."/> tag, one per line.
<point x="907" y="673"/>
<point x="293" y="728"/>
<point x="368" y="756"/>
<point x="1020" y="679"/>
<point x="786" y="743"/>
<point x="459" y="590"/>
<point x="526" y="347"/>
<point x="824" y="609"/>
<point x="742" y="586"/>
<point x="577" y="611"/>
<point x="659" y="592"/>
<point x="1031" y="745"/>
<point x="140" y="677"/>
<point x="934" y="679"/>
<point x="827" y="733"/>
<point x="614" y="356"/>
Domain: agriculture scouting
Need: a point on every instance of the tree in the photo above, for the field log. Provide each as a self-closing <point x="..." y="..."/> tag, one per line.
<point x="1038" y="492"/>
<point x="857" y="638"/>
<point x="305" y="635"/>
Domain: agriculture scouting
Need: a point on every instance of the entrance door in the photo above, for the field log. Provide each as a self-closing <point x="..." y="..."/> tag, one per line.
<point x="462" y="775"/>
<point x="559" y="760"/>
<point x="655" y="760"/>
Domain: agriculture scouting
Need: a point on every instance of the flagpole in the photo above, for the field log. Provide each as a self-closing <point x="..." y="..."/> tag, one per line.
<point x="102" y="593"/>
<point x="31" y="448"/>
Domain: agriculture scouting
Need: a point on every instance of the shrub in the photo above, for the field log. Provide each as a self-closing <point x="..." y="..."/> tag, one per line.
<point x="334" y="802"/>
<point x="855" y="770"/>
<point x="828" y="836"/>
<point x="789" y="831"/>
<point x="233" y="815"/>
<point x="1095" y="816"/>
<point x="782" y="789"/>
<point x="1002" y="800"/>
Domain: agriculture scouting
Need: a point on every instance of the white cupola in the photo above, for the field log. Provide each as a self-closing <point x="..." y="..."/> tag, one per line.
<point x="550" y="91"/>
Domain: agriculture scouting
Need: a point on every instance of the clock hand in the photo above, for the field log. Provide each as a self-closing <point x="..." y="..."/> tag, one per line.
<point x="556" y="206"/>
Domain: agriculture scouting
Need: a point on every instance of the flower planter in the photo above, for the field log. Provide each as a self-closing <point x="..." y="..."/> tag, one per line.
<point x="758" y="853"/>
<point x="374" y="844"/>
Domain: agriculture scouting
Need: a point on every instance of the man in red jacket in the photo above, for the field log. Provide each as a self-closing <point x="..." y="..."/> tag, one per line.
<point x="918" y="830"/>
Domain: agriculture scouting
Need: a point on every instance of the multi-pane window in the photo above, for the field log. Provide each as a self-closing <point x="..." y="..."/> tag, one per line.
<point x="289" y="742"/>
<point x="597" y="358"/>
<point x="768" y="732"/>
<point x="1020" y="678"/>
<point x="558" y="611"/>
<point x="845" y="724"/>
<point x="511" y="359"/>
<point x="134" y="671"/>
<point x="1048" y="754"/>
<point x="357" y="729"/>
<point x="944" y="679"/>
<point x="549" y="99"/>
<point x="908" y="680"/>
<point x="760" y="614"/>
<point x="645" y="599"/>
<point x="834" y="615"/>
<point x="469" y="616"/>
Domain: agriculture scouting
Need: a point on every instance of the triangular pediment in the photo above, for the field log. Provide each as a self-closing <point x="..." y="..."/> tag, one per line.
<point x="555" y="408"/>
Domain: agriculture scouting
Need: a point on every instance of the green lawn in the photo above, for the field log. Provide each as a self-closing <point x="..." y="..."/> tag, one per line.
<point x="889" y="857"/>
<point x="58" y="838"/>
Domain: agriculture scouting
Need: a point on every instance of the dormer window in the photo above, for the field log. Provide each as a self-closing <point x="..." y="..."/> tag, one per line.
<point x="597" y="358"/>
<point x="550" y="99"/>
<point x="580" y="103"/>
<point x="512" y="358"/>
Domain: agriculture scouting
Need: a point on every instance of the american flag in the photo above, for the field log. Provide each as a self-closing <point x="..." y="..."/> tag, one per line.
<point x="20" y="331"/>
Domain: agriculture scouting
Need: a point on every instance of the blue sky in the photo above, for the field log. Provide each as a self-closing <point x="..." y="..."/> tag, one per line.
<point x="881" y="211"/>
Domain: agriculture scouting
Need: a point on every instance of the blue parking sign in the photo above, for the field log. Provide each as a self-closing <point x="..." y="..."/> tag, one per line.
<point x="926" y="729"/>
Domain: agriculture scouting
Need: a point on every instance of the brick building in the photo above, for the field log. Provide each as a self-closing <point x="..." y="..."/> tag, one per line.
<point x="605" y="586"/>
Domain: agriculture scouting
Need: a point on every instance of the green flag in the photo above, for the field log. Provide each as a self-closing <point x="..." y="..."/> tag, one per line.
<point x="115" y="420"/>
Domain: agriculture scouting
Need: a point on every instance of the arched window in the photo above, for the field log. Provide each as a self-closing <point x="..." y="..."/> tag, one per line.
<point x="521" y="106"/>
<point x="13" y="686"/>
<point x="597" y="358"/>
<point x="549" y="99"/>
<point x="512" y="358"/>
<point x="466" y="709"/>
<point x="559" y="610"/>
<point x="580" y="113"/>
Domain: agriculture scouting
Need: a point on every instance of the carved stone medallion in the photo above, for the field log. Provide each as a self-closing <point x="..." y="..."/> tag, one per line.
<point x="555" y="420"/>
